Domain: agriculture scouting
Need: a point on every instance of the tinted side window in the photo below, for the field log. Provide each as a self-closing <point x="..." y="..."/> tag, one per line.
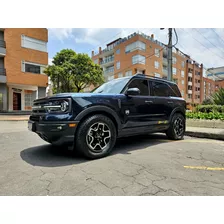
<point x="176" y="91"/>
<point x="142" y="85"/>
<point x="160" y="89"/>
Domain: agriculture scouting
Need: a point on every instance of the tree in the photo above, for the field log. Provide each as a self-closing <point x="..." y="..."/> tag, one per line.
<point x="72" y="72"/>
<point x="85" y="71"/>
<point x="218" y="97"/>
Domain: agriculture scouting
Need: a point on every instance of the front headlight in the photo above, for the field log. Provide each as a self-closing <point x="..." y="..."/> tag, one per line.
<point x="64" y="106"/>
<point x="57" y="106"/>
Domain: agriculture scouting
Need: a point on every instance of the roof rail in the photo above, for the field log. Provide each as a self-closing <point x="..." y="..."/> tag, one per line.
<point x="150" y="76"/>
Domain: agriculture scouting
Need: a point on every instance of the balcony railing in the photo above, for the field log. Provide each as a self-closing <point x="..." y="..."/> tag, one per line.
<point x="2" y="43"/>
<point x="2" y="71"/>
<point x="108" y="71"/>
<point x="107" y="60"/>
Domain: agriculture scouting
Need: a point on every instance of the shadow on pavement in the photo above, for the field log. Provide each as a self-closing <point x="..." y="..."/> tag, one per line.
<point x="50" y="156"/>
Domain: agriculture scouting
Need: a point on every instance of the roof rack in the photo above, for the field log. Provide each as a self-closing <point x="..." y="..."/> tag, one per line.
<point x="150" y="76"/>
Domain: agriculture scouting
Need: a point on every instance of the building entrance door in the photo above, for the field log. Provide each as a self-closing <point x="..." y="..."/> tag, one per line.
<point x="16" y="101"/>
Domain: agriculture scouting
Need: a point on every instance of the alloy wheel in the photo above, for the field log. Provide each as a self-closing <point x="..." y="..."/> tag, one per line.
<point x="98" y="137"/>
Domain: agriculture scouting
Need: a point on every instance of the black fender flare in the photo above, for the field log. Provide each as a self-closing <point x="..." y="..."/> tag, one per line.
<point x="177" y="110"/>
<point x="99" y="109"/>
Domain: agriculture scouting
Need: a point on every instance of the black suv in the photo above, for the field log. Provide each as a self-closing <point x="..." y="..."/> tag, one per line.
<point x="91" y="122"/>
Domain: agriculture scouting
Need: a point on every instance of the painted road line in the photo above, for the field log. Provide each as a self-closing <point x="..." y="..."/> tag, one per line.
<point x="204" y="168"/>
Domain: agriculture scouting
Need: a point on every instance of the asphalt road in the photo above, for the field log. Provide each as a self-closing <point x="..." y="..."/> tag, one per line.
<point x="146" y="165"/>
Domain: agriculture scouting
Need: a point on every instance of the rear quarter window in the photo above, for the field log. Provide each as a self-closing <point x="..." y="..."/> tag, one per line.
<point x="176" y="91"/>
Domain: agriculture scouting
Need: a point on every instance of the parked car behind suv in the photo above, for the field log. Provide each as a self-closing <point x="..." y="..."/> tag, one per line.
<point x="91" y="122"/>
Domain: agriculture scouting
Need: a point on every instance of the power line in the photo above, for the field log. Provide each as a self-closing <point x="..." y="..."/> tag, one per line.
<point x="195" y="60"/>
<point x="218" y="35"/>
<point x="176" y="37"/>
<point x="207" y="39"/>
<point x="201" y="43"/>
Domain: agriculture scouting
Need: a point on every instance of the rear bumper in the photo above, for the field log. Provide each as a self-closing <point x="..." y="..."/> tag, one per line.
<point x="57" y="133"/>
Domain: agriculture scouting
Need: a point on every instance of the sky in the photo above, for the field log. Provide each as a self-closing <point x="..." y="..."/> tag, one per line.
<point x="203" y="45"/>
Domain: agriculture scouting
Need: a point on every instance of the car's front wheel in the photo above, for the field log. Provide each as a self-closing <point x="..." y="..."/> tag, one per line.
<point x="177" y="127"/>
<point x="96" y="136"/>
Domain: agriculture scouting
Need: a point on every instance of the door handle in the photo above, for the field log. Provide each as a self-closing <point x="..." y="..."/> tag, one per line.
<point x="148" y="101"/>
<point x="170" y="102"/>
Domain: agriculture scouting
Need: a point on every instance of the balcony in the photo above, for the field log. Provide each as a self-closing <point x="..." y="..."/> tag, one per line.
<point x="165" y="71"/>
<point x="190" y="83"/>
<point x="107" y="61"/>
<point x="189" y="74"/>
<point x="2" y="75"/>
<point x="108" y="71"/>
<point x="107" y="51"/>
<point x="165" y="61"/>
<point x="2" y="48"/>
<point x="189" y="91"/>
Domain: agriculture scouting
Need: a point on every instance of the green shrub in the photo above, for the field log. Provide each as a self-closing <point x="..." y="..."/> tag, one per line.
<point x="207" y="101"/>
<point x="206" y="116"/>
<point x="210" y="108"/>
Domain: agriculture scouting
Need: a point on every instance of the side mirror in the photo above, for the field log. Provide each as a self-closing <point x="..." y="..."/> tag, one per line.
<point x="133" y="92"/>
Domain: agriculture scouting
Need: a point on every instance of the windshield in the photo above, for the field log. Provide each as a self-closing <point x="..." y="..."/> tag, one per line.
<point x="115" y="86"/>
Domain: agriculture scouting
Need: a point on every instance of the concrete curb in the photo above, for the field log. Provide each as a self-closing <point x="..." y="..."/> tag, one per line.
<point x="14" y="118"/>
<point x="199" y="134"/>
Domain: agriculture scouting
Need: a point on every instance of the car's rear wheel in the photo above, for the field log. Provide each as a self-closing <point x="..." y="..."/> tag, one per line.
<point x="176" y="130"/>
<point x="96" y="136"/>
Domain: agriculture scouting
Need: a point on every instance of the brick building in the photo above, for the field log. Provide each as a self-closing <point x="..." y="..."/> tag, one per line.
<point x="23" y="57"/>
<point x="131" y="55"/>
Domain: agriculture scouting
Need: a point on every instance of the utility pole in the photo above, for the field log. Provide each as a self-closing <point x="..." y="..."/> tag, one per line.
<point x="170" y="56"/>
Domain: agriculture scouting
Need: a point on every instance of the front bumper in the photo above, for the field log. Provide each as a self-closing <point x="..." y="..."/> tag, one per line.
<point x="57" y="133"/>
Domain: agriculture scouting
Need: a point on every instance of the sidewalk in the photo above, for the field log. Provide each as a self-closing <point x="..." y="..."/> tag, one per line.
<point x="14" y="117"/>
<point x="212" y="133"/>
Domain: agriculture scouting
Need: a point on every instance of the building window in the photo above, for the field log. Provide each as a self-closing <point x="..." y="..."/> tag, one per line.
<point x="182" y="81"/>
<point x="118" y="51"/>
<point x="189" y="79"/>
<point x="33" y="68"/>
<point x="118" y="65"/>
<point x="174" y="71"/>
<point x="120" y="75"/>
<point x="157" y="75"/>
<point x="28" y="100"/>
<point x="189" y="87"/>
<point x="33" y="43"/>
<point x="182" y="73"/>
<point x="138" y="59"/>
<point x="157" y="52"/>
<point x="174" y="60"/>
<point x="128" y="73"/>
<point x="138" y="45"/>
<point x="190" y="96"/>
<point x="182" y="64"/>
<point x="96" y="61"/>
<point x="156" y="64"/>
<point x="182" y="92"/>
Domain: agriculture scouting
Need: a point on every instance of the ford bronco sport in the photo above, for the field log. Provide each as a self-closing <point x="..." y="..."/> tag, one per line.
<point x="91" y="122"/>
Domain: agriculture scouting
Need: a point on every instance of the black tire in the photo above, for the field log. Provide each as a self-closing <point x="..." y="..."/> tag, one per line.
<point x="172" y="132"/>
<point x="94" y="132"/>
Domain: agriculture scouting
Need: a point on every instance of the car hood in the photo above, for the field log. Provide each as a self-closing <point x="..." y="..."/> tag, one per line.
<point x="78" y="95"/>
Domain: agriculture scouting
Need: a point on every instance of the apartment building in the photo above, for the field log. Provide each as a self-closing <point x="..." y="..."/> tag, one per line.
<point x="23" y="58"/>
<point x="140" y="53"/>
<point x="215" y="76"/>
